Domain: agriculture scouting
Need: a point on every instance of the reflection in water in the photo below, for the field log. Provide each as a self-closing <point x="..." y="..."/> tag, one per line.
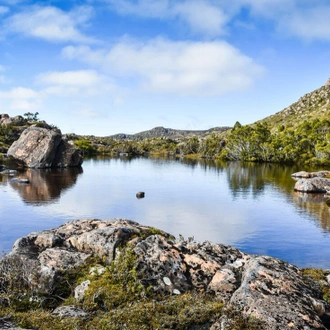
<point x="46" y="185"/>
<point x="315" y="204"/>
<point x="245" y="178"/>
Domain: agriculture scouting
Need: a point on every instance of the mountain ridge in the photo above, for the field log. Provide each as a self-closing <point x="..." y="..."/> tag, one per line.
<point x="161" y="131"/>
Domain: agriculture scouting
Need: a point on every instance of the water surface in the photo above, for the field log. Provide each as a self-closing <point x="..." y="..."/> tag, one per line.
<point x="250" y="206"/>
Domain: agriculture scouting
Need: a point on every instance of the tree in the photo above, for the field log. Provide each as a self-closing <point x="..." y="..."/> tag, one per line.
<point x="29" y="116"/>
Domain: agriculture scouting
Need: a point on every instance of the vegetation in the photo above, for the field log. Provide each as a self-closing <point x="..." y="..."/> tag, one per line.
<point x="320" y="276"/>
<point x="32" y="117"/>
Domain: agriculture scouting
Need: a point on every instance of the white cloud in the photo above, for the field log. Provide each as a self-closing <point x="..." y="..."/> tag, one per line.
<point x="201" y="16"/>
<point x="304" y="19"/>
<point x="184" y="68"/>
<point x="299" y="18"/>
<point x="143" y="8"/>
<point x="82" y="83"/>
<point x="21" y="98"/>
<point x="51" y="23"/>
<point x="71" y="78"/>
<point x="3" y="10"/>
<point x="310" y="24"/>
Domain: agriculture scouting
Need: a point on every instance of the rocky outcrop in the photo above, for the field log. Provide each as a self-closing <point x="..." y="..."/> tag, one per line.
<point x="307" y="175"/>
<point x="313" y="185"/>
<point x="262" y="287"/>
<point x="327" y="83"/>
<point x="16" y="121"/>
<point x="42" y="148"/>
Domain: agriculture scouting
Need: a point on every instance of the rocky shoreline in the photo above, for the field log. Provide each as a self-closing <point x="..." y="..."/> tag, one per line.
<point x="86" y="273"/>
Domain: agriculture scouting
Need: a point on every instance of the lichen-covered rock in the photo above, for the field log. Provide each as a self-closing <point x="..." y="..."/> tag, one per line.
<point x="265" y="288"/>
<point x="6" y="323"/>
<point x="313" y="185"/>
<point x="70" y="311"/>
<point x="39" y="147"/>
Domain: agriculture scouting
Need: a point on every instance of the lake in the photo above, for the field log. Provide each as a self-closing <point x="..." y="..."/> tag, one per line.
<point x="250" y="206"/>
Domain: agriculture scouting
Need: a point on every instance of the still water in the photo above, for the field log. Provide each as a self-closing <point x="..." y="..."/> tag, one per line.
<point x="250" y="206"/>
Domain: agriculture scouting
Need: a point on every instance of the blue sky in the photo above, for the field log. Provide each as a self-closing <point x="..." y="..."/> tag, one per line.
<point x="109" y="66"/>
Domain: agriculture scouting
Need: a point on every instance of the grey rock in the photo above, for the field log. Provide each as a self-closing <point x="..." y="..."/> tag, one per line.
<point x="80" y="290"/>
<point x="70" y="245"/>
<point x="15" y="121"/>
<point x="305" y="175"/>
<point x="5" y="323"/>
<point x="70" y="311"/>
<point x="42" y="148"/>
<point x="313" y="185"/>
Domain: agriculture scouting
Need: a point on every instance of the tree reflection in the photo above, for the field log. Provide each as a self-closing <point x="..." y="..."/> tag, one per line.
<point x="252" y="178"/>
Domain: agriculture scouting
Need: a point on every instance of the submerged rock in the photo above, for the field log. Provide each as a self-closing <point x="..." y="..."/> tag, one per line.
<point x="268" y="289"/>
<point x="40" y="147"/>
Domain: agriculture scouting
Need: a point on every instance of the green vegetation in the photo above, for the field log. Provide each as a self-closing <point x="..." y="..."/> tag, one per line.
<point x="307" y="143"/>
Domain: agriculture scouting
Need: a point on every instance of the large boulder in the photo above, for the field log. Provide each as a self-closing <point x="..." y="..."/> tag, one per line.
<point x="265" y="288"/>
<point x="313" y="185"/>
<point x="39" y="147"/>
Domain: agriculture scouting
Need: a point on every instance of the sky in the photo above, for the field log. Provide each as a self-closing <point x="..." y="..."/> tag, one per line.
<point x="101" y="67"/>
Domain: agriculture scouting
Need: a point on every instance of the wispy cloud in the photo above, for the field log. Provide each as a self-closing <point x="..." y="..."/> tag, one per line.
<point x="201" y="16"/>
<point x="51" y="23"/>
<point x="183" y="68"/>
<point x="307" y="20"/>
<point x="70" y="78"/>
<point x="82" y="83"/>
<point x="3" y="10"/>
<point x="310" y="24"/>
<point x="302" y="19"/>
<point x="21" y="99"/>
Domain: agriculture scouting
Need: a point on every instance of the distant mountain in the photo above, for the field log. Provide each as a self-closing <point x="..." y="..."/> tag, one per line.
<point x="168" y="133"/>
<point x="310" y="106"/>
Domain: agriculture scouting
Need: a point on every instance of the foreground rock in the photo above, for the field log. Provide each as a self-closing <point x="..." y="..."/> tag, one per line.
<point x="40" y="147"/>
<point x="313" y="185"/>
<point x="268" y="289"/>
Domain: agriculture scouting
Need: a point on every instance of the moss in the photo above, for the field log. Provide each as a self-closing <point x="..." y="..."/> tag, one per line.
<point x="319" y="276"/>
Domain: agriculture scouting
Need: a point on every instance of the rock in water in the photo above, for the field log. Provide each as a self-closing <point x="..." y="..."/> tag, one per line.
<point x="42" y="148"/>
<point x="313" y="185"/>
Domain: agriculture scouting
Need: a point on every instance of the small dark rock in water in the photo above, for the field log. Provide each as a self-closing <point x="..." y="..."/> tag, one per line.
<point x="328" y="202"/>
<point x="140" y="194"/>
<point x="20" y="180"/>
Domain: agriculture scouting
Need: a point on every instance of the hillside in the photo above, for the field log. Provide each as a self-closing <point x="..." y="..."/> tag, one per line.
<point x="314" y="105"/>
